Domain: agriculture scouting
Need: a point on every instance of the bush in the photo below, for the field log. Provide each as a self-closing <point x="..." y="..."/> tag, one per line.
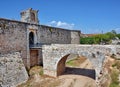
<point x="117" y="64"/>
<point x="87" y="40"/>
<point x="100" y="38"/>
<point x="118" y="35"/>
<point x="114" y="78"/>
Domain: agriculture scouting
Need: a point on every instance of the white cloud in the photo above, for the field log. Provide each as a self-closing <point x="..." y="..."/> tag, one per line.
<point x="61" y="24"/>
<point x="52" y="22"/>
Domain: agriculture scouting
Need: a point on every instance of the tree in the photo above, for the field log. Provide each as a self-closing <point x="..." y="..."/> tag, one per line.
<point x="114" y="32"/>
<point x="118" y="35"/>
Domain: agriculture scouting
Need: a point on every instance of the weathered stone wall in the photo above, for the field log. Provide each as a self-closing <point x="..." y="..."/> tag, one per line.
<point x="30" y="16"/>
<point x="12" y="70"/>
<point x="13" y="37"/>
<point x="53" y="35"/>
<point x="52" y="55"/>
<point x="75" y="37"/>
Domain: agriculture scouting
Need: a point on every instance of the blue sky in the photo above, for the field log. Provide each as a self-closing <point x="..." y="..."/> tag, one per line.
<point x="89" y="16"/>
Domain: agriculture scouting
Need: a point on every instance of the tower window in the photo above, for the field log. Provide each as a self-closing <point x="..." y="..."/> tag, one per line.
<point x="32" y="16"/>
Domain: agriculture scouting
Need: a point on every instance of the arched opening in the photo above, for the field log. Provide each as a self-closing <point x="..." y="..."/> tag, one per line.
<point x="31" y="38"/>
<point x="32" y="16"/>
<point x="61" y="65"/>
<point x="75" y="65"/>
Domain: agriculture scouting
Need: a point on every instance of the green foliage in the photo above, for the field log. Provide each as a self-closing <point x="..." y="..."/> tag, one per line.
<point x="111" y="35"/>
<point x="41" y="72"/>
<point x="87" y="40"/>
<point x="114" y="85"/>
<point x="114" y="78"/>
<point x="70" y="63"/>
<point x="118" y="35"/>
<point x="117" y="64"/>
<point x="113" y="31"/>
<point x="100" y="38"/>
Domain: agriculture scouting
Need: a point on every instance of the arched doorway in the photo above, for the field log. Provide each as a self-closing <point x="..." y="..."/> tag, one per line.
<point x="76" y="68"/>
<point x="31" y="38"/>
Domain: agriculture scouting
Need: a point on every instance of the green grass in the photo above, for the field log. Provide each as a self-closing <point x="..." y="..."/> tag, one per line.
<point x="114" y="85"/>
<point x="41" y="72"/>
<point x="76" y="62"/>
<point x="71" y="63"/>
<point x="114" y="78"/>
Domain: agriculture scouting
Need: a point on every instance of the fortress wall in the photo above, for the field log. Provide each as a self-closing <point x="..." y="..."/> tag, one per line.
<point x="54" y="35"/>
<point x="75" y="37"/>
<point x="12" y="70"/>
<point x="13" y="37"/>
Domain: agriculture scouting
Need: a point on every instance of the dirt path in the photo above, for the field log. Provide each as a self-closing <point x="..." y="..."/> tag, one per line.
<point x="76" y="81"/>
<point x="82" y="75"/>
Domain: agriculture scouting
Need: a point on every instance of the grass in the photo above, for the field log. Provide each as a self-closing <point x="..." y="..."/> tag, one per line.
<point x="117" y="64"/>
<point x="114" y="85"/>
<point x="41" y="72"/>
<point x="70" y="63"/>
<point x="114" y="78"/>
<point x="42" y="81"/>
<point x="36" y="70"/>
<point x="75" y="62"/>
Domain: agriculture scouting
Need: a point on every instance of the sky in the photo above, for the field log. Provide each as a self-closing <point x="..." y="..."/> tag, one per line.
<point x="89" y="16"/>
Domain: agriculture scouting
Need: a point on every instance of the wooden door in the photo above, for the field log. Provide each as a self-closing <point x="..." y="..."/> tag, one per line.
<point x="33" y="57"/>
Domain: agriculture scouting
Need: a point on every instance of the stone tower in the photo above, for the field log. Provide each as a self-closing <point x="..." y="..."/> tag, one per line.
<point x="30" y="16"/>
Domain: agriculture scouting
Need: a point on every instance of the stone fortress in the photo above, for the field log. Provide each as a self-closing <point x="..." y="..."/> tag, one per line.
<point x="27" y="37"/>
<point x="43" y="45"/>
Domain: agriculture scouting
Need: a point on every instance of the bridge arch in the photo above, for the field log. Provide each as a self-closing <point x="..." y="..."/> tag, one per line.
<point x="62" y="67"/>
<point x="55" y="55"/>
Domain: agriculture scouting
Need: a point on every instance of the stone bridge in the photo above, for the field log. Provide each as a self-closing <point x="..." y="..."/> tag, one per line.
<point x="55" y="56"/>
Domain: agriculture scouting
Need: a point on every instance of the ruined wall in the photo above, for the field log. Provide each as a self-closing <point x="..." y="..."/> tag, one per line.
<point x="12" y="70"/>
<point x="53" y="35"/>
<point x="13" y="37"/>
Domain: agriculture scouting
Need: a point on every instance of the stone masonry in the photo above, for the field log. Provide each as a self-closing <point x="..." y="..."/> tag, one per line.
<point x="27" y="34"/>
<point x="55" y="55"/>
<point x="12" y="70"/>
<point x="30" y="42"/>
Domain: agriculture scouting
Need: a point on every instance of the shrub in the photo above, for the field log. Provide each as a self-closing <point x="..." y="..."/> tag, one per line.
<point x="114" y="78"/>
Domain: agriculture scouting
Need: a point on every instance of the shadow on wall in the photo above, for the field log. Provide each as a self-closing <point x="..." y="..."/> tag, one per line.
<point x="80" y="71"/>
<point x="63" y="70"/>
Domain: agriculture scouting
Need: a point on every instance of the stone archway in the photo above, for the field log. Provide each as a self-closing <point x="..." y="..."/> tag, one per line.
<point x="61" y="65"/>
<point x="84" y="68"/>
<point x="31" y="38"/>
<point x="53" y="54"/>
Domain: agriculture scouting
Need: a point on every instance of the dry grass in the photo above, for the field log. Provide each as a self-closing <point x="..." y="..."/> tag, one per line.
<point x="37" y="79"/>
<point x="76" y="62"/>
